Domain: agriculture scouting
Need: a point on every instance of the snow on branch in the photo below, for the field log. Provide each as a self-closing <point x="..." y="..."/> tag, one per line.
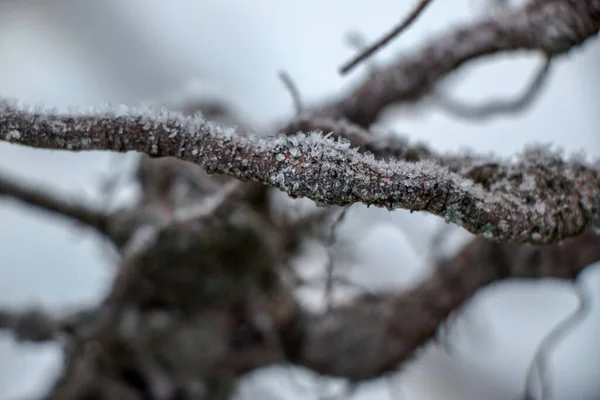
<point x="540" y="198"/>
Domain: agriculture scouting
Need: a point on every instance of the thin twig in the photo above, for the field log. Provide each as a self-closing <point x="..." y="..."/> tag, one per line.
<point x="358" y="42"/>
<point x="550" y="341"/>
<point x="404" y="24"/>
<point x="292" y="90"/>
<point x="331" y="239"/>
<point x="497" y="107"/>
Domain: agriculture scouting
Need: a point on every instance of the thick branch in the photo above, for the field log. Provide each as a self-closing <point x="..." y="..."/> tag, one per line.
<point x="374" y="335"/>
<point x="539" y="199"/>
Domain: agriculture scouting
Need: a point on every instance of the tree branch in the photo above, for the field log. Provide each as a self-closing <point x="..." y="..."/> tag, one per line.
<point x="48" y="201"/>
<point x="372" y="49"/>
<point x="538" y="199"/>
<point x="497" y="107"/>
<point x="33" y="325"/>
<point x="552" y="27"/>
<point x="385" y="331"/>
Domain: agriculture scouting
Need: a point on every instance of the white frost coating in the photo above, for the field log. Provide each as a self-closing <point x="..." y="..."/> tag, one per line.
<point x="339" y="168"/>
<point x="540" y="207"/>
<point x="528" y="184"/>
<point x="153" y="116"/>
<point x="13" y="135"/>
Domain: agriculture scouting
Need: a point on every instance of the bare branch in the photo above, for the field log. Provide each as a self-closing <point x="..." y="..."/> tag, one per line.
<point x="369" y="51"/>
<point x="330" y="268"/>
<point x="551" y="26"/>
<point x="48" y="201"/>
<point x="384" y="331"/>
<point x="358" y="42"/>
<point x="497" y="107"/>
<point x="34" y="325"/>
<point x="538" y="199"/>
<point x="293" y="90"/>
<point x="147" y="235"/>
<point x="550" y="341"/>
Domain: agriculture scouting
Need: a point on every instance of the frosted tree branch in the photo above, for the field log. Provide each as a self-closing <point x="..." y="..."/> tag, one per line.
<point x="538" y="199"/>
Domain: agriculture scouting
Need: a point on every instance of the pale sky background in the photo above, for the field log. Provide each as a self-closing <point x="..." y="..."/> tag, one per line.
<point x="66" y="52"/>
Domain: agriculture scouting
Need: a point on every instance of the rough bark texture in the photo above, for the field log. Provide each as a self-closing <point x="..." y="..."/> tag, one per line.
<point x="539" y="199"/>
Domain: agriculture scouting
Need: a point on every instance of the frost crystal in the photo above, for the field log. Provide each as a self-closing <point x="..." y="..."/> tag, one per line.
<point x="528" y="183"/>
<point x="540" y="207"/>
<point x="13" y="135"/>
<point x="330" y="171"/>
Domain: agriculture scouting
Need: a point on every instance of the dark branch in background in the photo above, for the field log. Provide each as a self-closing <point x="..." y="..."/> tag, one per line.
<point x="358" y="42"/>
<point x="538" y="199"/>
<point x="540" y="361"/>
<point x="552" y="27"/>
<point x="291" y="87"/>
<point x="496" y="107"/>
<point x="384" y="331"/>
<point x="369" y="51"/>
<point x="45" y="200"/>
<point x="381" y="330"/>
<point x="33" y="325"/>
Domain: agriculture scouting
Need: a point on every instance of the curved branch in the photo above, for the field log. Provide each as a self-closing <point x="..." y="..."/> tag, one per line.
<point x="539" y="199"/>
<point x="376" y="334"/>
<point x="552" y="27"/>
<point x="496" y="107"/>
<point x="549" y="342"/>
